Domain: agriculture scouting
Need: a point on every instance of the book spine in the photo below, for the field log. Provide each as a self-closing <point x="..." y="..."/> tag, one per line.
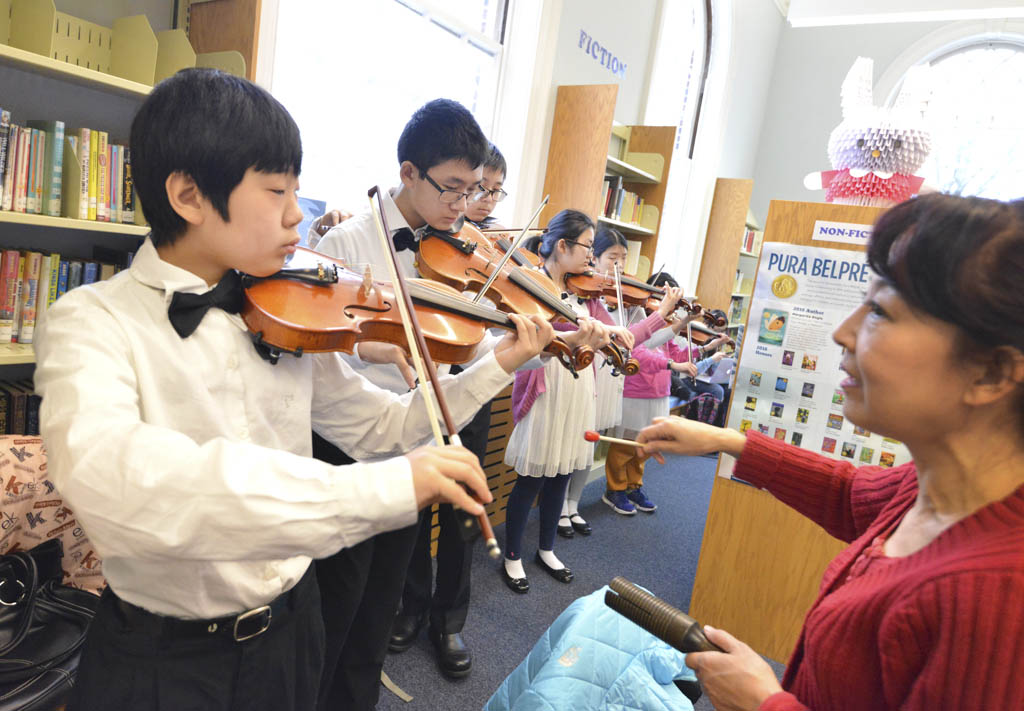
<point x="55" y="169"/>
<point x="5" y="135"/>
<point x="90" y="272"/>
<point x="43" y="292"/>
<point x="84" y="141"/>
<point x="8" y="291"/>
<point x="54" y="277"/>
<point x="40" y="183"/>
<point x="128" y="201"/>
<point x="29" y="297"/>
<point x="10" y="167"/>
<point x="93" y="171"/>
<point x="74" y="274"/>
<point x="30" y="170"/>
<point x="62" y="278"/>
<point x="102" y="178"/>
<point x="115" y="183"/>
<point x="16" y="323"/>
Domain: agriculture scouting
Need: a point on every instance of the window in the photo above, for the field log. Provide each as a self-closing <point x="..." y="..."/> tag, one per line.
<point x="352" y="74"/>
<point x="977" y="121"/>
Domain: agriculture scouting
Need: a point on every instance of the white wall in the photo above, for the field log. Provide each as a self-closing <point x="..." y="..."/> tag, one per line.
<point x="803" y="105"/>
<point x="807" y="13"/>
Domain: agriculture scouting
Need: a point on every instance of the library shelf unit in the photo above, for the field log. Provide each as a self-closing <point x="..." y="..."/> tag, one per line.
<point x="727" y="223"/>
<point x="68" y="223"/>
<point x="587" y="145"/>
<point x="16" y="354"/>
<point x="70" y="73"/>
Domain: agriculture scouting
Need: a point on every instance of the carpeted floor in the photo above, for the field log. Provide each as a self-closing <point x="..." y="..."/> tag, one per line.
<point x="658" y="551"/>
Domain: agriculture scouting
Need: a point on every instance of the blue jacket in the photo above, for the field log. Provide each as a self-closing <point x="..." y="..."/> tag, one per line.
<point x="593" y="658"/>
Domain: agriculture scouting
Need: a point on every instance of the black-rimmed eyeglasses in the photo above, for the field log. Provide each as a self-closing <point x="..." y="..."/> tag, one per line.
<point x="451" y="196"/>
<point x="588" y="247"/>
<point x="497" y="194"/>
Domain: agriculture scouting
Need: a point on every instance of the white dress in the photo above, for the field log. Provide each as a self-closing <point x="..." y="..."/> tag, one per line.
<point x="549" y="439"/>
<point x="609" y="395"/>
<point x="637" y="413"/>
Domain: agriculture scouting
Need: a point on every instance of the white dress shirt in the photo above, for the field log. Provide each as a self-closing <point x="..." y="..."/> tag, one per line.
<point x="356" y="241"/>
<point x="187" y="461"/>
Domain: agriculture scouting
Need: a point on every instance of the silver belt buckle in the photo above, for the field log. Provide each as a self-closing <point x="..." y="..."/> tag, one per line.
<point x="250" y="614"/>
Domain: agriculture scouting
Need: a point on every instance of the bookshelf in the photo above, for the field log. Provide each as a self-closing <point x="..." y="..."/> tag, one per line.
<point x="70" y="73"/>
<point x="718" y="285"/>
<point x="21" y="218"/>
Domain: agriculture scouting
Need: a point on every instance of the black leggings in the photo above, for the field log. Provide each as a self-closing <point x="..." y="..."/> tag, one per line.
<point x="552" y="493"/>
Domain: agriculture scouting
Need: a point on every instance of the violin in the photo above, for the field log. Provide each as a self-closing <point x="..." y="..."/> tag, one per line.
<point x="466" y="261"/>
<point x="502" y="239"/>
<point x="315" y="305"/>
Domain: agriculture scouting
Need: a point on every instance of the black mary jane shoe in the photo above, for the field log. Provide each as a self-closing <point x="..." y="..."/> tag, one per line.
<point x="516" y="585"/>
<point x="404" y="631"/>
<point x="568" y="530"/>
<point x="583" y="528"/>
<point x="453" y="656"/>
<point x="562" y="575"/>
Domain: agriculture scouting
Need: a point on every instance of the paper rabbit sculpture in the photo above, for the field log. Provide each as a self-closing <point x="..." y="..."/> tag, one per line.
<point x="876" y="150"/>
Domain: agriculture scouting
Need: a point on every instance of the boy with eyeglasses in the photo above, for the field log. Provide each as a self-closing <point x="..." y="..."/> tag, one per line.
<point x="479" y="211"/>
<point x="441" y="154"/>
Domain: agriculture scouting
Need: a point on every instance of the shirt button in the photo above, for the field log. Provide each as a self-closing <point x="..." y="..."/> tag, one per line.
<point x="233" y="362"/>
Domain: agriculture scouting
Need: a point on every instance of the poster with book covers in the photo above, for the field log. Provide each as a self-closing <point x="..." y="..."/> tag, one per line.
<point x="787" y="380"/>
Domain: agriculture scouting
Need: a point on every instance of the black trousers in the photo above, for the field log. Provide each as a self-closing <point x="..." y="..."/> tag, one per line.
<point x="447" y="601"/>
<point x="136" y="660"/>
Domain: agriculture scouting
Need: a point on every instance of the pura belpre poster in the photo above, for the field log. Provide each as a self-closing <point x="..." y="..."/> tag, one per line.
<point x="787" y="379"/>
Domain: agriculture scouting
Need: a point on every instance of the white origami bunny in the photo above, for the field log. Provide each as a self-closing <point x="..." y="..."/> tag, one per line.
<point x="876" y="150"/>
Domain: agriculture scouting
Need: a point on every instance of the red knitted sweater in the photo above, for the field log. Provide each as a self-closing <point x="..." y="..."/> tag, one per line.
<point x="940" y="629"/>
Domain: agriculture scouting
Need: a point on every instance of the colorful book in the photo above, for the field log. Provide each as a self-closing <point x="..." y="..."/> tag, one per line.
<point x="62" y="277"/>
<point x="128" y="192"/>
<point x="90" y="272"/>
<point x="115" y="183"/>
<point x="84" y="142"/>
<point x="21" y="169"/>
<point x="20" y="283"/>
<point x="107" y="270"/>
<point x="43" y="292"/>
<point x="94" y="138"/>
<point x="29" y="296"/>
<point x="8" y="292"/>
<point x="10" y="167"/>
<point x="53" y="165"/>
<point x="102" y="178"/>
<point x="74" y="273"/>
<point x="5" y="134"/>
<point x="40" y="159"/>
<point x="17" y="401"/>
<point x="54" y="277"/>
<point x="30" y="176"/>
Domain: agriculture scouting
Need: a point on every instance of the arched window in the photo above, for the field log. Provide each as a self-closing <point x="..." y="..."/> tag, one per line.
<point x="977" y="118"/>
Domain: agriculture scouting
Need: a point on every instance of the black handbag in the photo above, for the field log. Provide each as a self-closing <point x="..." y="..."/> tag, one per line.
<point x="42" y="627"/>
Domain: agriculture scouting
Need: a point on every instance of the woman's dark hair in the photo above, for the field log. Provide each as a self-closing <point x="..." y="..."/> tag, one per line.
<point x="496" y="161"/>
<point x="662" y="279"/>
<point x="442" y="130"/>
<point x="567" y="224"/>
<point x="606" y="238"/>
<point x="718" y="313"/>
<point x="960" y="260"/>
<point x="212" y="127"/>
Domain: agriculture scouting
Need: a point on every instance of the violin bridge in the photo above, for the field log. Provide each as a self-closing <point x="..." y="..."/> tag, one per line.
<point x="367" y="281"/>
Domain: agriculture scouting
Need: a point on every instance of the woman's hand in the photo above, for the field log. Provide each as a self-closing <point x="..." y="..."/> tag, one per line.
<point x="622" y="336"/>
<point x="685" y="368"/>
<point x="669" y="301"/>
<point x="739" y="679"/>
<point x="676" y="435"/>
<point x="440" y="473"/>
<point x="532" y="335"/>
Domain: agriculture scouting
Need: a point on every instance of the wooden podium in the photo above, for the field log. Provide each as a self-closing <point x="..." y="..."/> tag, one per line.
<point x="761" y="562"/>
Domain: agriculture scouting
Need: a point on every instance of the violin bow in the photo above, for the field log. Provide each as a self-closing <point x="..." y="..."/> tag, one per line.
<point x="426" y="371"/>
<point x="510" y="252"/>
<point x="618" y="295"/>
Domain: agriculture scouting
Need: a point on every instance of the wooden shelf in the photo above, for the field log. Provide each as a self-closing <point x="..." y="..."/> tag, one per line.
<point x="626" y="226"/>
<point x="630" y="174"/>
<point x="90" y="78"/>
<point x="739" y="293"/>
<point x="16" y="353"/>
<point x="23" y="218"/>
<point x="749" y="254"/>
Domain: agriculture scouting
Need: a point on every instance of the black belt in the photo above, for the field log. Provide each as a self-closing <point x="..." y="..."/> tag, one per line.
<point x="239" y="627"/>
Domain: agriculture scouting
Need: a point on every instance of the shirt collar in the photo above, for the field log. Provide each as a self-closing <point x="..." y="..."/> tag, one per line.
<point x="149" y="269"/>
<point x="397" y="221"/>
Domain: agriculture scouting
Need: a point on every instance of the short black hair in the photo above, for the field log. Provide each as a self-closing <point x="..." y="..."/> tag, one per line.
<point x="442" y="130"/>
<point x="567" y="224"/>
<point x="662" y="278"/>
<point x="213" y="127"/>
<point x="607" y="237"/>
<point x="496" y="161"/>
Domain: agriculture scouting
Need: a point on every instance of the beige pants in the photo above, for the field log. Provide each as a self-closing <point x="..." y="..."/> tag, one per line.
<point x="623" y="468"/>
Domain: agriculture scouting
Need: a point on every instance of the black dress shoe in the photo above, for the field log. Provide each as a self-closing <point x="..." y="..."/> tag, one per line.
<point x="566" y="531"/>
<point x="562" y="575"/>
<point x="583" y="528"/>
<point x="518" y="585"/>
<point x="452" y="654"/>
<point x="404" y="631"/>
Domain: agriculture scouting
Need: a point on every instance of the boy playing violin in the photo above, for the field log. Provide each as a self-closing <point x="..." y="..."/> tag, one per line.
<point x="491" y="191"/>
<point x="186" y="455"/>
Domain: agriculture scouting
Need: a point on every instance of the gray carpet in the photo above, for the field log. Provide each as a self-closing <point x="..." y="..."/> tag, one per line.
<point x="658" y="551"/>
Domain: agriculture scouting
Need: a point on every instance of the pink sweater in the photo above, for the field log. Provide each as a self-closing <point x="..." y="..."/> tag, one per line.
<point x="940" y="629"/>
<point x="530" y="384"/>
<point x="654" y="379"/>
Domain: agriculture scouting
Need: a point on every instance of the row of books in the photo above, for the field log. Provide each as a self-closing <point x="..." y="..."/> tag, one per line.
<point x="752" y="241"/>
<point x="47" y="171"/>
<point x="31" y="281"/>
<point x="619" y="203"/>
<point x="737" y="311"/>
<point x="19" y="408"/>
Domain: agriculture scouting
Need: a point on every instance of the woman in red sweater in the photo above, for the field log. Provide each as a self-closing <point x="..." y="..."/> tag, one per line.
<point x="925" y="608"/>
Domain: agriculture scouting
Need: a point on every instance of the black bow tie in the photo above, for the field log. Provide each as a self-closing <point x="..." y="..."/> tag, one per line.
<point x="405" y="239"/>
<point x="187" y="310"/>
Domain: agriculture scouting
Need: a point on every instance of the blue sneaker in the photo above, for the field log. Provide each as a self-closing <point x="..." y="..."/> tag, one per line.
<point x="619" y="502"/>
<point x="640" y="500"/>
